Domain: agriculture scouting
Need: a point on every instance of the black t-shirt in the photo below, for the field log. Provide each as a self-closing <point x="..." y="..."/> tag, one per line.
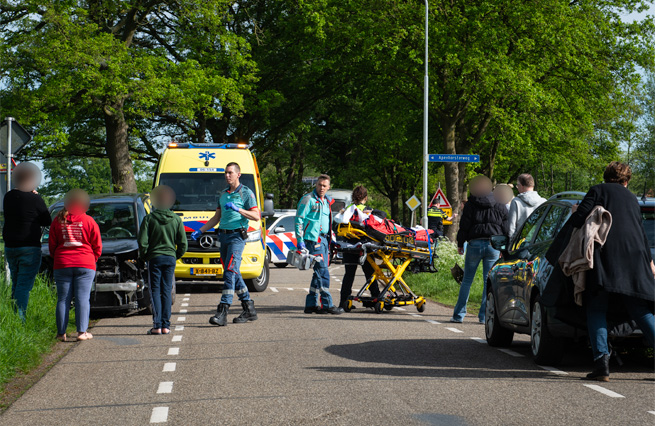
<point x="25" y="214"/>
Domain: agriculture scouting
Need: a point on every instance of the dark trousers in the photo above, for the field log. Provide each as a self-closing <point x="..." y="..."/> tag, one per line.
<point x="162" y="274"/>
<point x="351" y="262"/>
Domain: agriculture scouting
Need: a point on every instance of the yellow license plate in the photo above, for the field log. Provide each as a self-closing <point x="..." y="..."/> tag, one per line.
<point x="205" y="271"/>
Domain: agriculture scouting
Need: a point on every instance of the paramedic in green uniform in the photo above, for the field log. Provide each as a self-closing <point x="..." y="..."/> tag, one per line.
<point x="351" y="259"/>
<point x="237" y="205"/>
<point x="314" y="232"/>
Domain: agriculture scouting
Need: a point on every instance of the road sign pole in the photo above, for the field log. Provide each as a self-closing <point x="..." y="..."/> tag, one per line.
<point x="9" y="157"/>
<point x="425" y="124"/>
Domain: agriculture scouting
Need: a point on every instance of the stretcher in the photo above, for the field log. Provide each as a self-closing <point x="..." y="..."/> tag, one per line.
<point x="390" y="255"/>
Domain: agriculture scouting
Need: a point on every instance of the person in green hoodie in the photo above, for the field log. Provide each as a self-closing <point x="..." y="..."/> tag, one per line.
<point x="162" y="241"/>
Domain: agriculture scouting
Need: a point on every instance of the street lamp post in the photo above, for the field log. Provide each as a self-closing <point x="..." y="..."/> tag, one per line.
<point x="425" y="125"/>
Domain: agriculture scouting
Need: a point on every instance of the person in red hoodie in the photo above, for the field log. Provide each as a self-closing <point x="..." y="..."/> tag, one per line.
<point x="75" y="245"/>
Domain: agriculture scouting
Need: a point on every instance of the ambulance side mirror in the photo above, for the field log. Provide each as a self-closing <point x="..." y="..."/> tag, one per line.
<point x="269" y="209"/>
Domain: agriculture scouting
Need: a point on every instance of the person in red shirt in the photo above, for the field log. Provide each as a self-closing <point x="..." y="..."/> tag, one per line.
<point x="75" y="245"/>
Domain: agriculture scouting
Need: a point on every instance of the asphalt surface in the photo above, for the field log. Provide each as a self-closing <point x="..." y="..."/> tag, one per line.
<point x="289" y="368"/>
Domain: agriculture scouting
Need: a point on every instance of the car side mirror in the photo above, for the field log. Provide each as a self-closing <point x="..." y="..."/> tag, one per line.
<point x="269" y="209"/>
<point x="279" y="230"/>
<point x="500" y="242"/>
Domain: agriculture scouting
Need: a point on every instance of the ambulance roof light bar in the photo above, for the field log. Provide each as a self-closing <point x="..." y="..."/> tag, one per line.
<point x="209" y="145"/>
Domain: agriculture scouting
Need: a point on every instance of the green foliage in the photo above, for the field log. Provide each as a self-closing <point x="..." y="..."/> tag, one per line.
<point x="23" y="344"/>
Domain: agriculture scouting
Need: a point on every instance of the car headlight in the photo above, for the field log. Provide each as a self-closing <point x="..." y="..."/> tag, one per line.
<point x="254" y="236"/>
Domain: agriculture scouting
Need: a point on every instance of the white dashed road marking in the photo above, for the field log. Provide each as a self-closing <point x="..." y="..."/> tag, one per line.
<point x="553" y="370"/>
<point x="510" y="352"/>
<point x="416" y="315"/>
<point x="183" y="311"/>
<point x="478" y="339"/>
<point x="169" y="367"/>
<point x="177" y="338"/>
<point x="289" y="288"/>
<point x="173" y="351"/>
<point x="433" y="322"/>
<point x="165" y="387"/>
<point x="604" y="391"/>
<point x="454" y="330"/>
<point x="652" y="412"/>
<point x="186" y="299"/>
<point x="179" y="327"/>
<point x="181" y="319"/>
<point x="307" y="290"/>
<point x="275" y="290"/>
<point x="159" y="415"/>
<point x="184" y="304"/>
<point x="187" y="294"/>
<point x="401" y="309"/>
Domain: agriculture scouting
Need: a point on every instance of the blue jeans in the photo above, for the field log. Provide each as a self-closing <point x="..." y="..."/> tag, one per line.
<point x="24" y="264"/>
<point x="161" y="270"/>
<point x="73" y="282"/>
<point x="596" y="307"/>
<point x="320" y="284"/>
<point x="476" y="251"/>
<point x="232" y="246"/>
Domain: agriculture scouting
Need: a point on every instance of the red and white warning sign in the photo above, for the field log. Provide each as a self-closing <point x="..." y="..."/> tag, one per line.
<point x="440" y="201"/>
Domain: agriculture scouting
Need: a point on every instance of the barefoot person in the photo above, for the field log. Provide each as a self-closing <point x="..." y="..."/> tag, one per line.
<point x="75" y="245"/>
<point x="162" y="241"/>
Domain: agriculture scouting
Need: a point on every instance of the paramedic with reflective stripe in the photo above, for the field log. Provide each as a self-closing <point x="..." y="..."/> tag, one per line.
<point x="237" y="205"/>
<point x="313" y="232"/>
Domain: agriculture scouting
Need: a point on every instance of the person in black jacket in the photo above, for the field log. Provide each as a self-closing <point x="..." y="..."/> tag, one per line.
<point x="25" y="214"/>
<point x="623" y="272"/>
<point x="482" y="217"/>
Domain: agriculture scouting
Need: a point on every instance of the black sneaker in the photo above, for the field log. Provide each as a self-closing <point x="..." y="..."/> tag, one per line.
<point x="311" y="310"/>
<point x="334" y="310"/>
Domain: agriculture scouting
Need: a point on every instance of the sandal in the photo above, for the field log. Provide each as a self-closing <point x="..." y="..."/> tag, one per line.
<point x="154" y="331"/>
<point x="165" y="331"/>
<point x="61" y="337"/>
<point x="84" y="336"/>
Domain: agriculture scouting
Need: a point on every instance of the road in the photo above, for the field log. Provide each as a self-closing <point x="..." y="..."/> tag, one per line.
<point x="289" y="368"/>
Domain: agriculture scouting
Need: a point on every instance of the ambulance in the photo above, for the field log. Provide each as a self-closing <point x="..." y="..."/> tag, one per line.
<point x="197" y="174"/>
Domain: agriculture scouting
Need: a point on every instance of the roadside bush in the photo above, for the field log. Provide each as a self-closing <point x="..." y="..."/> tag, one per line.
<point x="440" y="286"/>
<point x="23" y="344"/>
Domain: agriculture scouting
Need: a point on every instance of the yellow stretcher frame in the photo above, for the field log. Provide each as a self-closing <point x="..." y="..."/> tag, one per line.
<point x="395" y="255"/>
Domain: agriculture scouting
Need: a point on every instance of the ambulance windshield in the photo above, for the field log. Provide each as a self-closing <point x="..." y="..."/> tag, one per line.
<point x="200" y="191"/>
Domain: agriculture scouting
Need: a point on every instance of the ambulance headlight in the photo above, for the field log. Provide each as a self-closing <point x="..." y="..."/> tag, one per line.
<point x="254" y="236"/>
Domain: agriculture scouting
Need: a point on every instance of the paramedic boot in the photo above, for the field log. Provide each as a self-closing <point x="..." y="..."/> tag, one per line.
<point x="248" y="314"/>
<point x="601" y="371"/>
<point x="220" y="319"/>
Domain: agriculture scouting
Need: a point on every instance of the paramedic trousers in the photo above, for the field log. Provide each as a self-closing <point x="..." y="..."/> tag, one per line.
<point x="321" y="279"/>
<point x="232" y="246"/>
<point x="351" y="263"/>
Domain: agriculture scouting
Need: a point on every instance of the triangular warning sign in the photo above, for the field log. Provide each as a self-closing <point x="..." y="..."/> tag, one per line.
<point x="440" y="201"/>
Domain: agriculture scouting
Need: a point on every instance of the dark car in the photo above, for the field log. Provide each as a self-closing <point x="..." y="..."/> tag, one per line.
<point x="516" y="284"/>
<point x="648" y="219"/>
<point x="121" y="282"/>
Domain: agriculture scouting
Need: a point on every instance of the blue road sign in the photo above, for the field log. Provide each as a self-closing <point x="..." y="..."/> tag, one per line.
<point x="454" y="158"/>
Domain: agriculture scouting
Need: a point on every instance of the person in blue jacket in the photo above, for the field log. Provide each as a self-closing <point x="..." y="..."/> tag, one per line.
<point x="314" y="233"/>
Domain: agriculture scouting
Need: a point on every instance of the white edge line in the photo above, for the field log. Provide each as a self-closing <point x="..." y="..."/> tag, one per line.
<point x="159" y="415"/>
<point x="454" y="330"/>
<point x="433" y="322"/>
<point x="290" y="288"/>
<point x="169" y="367"/>
<point x="553" y="370"/>
<point x="275" y="290"/>
<point x="510" y="352"/>
<point x="604" y="391"/>
<point x="177" y="338"/>
<point x="173" y="351"/>
<point x="179" y="327"/>
<point x="184" y="304"/>
<point x="652" y="412"/>
<point x="187" y="294"/>
<point x="165" y="387"/>
<point x="181" y="319"/>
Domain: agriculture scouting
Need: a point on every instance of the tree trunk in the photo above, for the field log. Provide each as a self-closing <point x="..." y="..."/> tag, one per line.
<point x="120" y="162"/>
<point x="451" y="171"/>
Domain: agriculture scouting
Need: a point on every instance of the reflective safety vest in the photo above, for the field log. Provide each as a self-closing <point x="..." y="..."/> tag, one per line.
<point x="362" y="207"/>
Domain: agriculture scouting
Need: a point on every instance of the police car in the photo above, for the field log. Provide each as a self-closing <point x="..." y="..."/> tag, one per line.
<point x="280" y="236"/>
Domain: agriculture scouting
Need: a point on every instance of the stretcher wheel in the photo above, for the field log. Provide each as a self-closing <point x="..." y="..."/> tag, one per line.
<point x="388" y="307"/>
<point x="349" y="305"/>
<point x="379" y="307"/>
<point x="421" y="306"/>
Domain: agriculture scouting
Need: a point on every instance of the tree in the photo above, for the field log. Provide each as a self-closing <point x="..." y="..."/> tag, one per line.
<point x="101" y="78"/>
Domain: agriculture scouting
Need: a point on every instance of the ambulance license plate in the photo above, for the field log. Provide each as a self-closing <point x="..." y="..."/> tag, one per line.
<point x="205" y="271"/>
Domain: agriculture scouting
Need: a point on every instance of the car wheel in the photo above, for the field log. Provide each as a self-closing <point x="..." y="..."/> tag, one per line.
<point x="546" y="349"/>
<point x="259" y="284"/>
<point x="281" y="265"/>
<point x="497" y="336"/>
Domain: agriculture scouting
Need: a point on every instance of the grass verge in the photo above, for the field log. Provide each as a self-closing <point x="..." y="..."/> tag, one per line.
<point x="440" y="286"/>
<point x="22" y="345"/>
